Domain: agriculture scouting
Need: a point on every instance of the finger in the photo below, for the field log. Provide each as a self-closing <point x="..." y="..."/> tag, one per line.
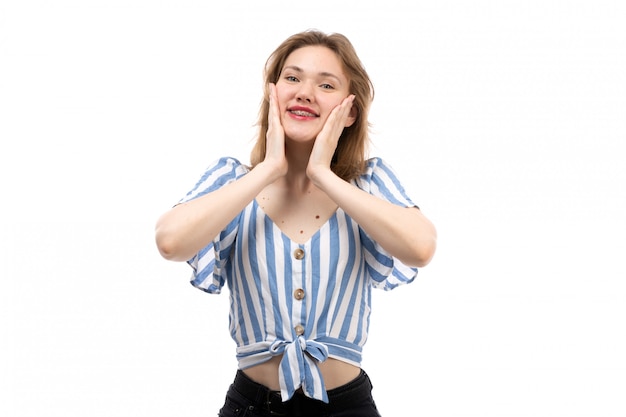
<point x="342" y="111"/>
<point x="274" y="126"/>
<point x="339" y="116"/>
<point x="274" y="136"/>
<point x="273" y="116"/>
<point x="347" y="104"/>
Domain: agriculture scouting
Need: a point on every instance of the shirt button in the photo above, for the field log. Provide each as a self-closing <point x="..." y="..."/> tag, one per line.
<point x="298" y="294"/>
<point x="298" y="254"/>
<point x="299" y="330"/>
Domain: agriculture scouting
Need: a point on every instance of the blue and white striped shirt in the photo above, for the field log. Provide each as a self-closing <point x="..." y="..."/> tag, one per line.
<point x="305" y="301"/>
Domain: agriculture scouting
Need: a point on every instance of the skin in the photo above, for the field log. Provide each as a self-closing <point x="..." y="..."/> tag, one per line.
<point x="310" y="105"/>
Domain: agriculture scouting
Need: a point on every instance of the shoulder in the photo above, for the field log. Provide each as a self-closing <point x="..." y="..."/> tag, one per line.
<point x="380" y="179"/>
<point x="375" y="163"/>
<point x="217" y="174"/>
<point x="225" y="168"/>
<point x="228" y="162"/>
<point x="375" y="167"/>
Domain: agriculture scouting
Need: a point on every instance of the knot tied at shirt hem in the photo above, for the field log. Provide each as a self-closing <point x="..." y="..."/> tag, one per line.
<point x="298" y="367"/>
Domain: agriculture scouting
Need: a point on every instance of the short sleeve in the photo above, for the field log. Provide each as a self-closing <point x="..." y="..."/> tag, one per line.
<point x="386" y="272"/>
<point x="209" y="263"/>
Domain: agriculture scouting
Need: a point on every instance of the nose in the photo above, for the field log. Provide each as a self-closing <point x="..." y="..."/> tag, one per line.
<point x="304" y="93"/>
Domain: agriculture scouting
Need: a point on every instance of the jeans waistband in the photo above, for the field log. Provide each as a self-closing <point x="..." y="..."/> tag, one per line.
<point x="344" y="397"/>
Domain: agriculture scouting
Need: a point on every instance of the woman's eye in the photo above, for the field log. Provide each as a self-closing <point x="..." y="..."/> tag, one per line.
<point x="291" y="78"/>
<point x="327" y="86"/>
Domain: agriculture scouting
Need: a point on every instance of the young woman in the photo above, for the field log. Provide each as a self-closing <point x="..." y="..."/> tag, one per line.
<point x="301" y="235"/>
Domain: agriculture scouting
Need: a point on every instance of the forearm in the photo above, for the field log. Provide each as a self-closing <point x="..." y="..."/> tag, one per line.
<point x="186" y="228"/>
<point x="404" y="232"/>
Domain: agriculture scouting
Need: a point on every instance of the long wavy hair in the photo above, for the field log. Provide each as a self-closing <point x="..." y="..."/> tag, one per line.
<point x="349" y="159"/>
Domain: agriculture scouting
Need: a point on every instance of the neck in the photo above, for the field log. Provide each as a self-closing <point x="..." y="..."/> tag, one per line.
<point x="298" y="155"/>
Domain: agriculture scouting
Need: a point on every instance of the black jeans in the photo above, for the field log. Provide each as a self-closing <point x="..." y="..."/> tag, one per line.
<point x="246" y="398"/>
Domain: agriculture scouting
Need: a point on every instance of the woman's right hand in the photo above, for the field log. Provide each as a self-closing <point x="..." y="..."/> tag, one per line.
<point x="187" y="228"/>
<point x="275" y="137"/>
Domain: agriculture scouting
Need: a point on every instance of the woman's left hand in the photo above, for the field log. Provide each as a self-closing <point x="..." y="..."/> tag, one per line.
<point x="326" y="141"/>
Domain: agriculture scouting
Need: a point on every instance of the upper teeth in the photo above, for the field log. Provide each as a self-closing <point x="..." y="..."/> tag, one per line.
<point x="302" y="113"/>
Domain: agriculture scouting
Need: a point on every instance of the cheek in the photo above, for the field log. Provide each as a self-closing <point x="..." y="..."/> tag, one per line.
<point x="283" y="89"/>
<point x="329" y="105"/>
<point x="283" y="98"/>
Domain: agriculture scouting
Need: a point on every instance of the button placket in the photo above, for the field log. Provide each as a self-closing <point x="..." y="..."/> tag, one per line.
<point x="299" y="254"/>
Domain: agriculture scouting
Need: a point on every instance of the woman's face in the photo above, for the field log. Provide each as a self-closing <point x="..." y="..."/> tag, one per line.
<point x="311" y="84"/>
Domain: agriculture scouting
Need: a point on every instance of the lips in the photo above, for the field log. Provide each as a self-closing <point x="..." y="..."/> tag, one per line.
<point x="302" y="111"/>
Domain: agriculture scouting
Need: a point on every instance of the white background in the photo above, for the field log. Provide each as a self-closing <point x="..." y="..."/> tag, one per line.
<point x="505" y="119"/>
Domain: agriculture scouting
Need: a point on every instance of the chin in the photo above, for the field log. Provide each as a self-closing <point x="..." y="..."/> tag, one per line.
<point x="301" y="137"/>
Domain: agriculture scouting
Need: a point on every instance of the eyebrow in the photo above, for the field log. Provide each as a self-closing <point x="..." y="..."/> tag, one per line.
<point x="321" y="74"/>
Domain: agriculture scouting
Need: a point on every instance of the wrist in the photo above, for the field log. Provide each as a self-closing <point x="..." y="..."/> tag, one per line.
<point x="321" y="176"/>
<point x="270" y="171"/>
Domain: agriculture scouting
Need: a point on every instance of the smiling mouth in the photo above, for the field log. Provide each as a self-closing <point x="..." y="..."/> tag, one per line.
<point x="302" y="113"/>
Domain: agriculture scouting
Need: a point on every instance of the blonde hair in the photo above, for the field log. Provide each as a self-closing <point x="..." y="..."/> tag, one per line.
<point x="349" y="158"/>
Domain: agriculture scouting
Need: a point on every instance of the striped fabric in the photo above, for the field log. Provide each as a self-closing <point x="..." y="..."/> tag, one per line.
<point x="306" y="302"/>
